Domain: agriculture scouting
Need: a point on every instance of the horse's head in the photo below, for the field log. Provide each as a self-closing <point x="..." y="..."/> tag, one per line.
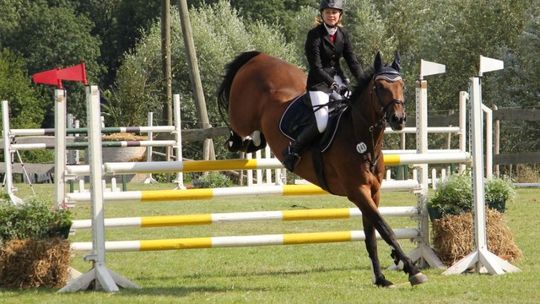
<point x="388" y="89"/>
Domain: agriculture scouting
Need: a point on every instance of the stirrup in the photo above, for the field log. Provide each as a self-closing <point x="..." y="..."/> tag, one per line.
<point x="290" y="159"/>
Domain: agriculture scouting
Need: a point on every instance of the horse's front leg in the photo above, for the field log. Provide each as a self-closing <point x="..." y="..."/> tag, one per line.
<point x="371" y="246"/>
<point x="369" y="210"/>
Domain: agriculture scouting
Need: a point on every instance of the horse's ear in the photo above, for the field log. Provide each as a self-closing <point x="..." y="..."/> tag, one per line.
<point x="397" y="61"/>
<point x="378" y="62"/>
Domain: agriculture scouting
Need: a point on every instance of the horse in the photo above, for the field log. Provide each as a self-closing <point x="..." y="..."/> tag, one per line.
<point x="257" y="89"/>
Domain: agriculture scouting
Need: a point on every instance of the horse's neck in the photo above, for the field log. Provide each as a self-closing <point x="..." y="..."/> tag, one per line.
<point x="365" y="115"/>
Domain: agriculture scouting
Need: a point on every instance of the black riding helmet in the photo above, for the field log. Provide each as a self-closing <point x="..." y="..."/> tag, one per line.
<point x="335" y="4"/>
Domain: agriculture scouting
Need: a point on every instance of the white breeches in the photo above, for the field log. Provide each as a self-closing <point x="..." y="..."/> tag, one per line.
<point x="321" y="98"/>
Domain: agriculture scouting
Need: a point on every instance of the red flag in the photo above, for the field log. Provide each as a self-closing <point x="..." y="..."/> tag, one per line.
<point x="55" y="76"/>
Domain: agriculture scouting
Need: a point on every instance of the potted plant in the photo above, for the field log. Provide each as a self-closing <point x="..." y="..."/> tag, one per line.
<point x="452" y="220"/>
<point x="34" y="250"/>
<point x="499" y="192"/>
<point x="455" y="196"/>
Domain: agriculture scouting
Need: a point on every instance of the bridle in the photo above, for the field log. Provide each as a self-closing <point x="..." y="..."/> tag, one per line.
<point x="390" y="75"/>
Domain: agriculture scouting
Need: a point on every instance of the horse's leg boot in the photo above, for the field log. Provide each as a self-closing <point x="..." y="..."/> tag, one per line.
<point x="292" y="153"/>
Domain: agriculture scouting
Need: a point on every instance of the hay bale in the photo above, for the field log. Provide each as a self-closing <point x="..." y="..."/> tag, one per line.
<point x="453" y="237"/>
<point x="34" y="263"/>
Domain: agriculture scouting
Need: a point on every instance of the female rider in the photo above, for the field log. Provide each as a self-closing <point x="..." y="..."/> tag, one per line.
<point x="326" y="43"/>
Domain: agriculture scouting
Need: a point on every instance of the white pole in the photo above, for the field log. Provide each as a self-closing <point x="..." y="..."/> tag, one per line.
<point x="481" y="258"/>
<point x="178" y="137"/>
<point x="463" y="97"/>
<point x="259" y="171"/>
<point x="60" y="106"/>
<point x="267" y="155"/>
<point x="103" y="277"/>
<point x="421" y="148"/>
<point x="149" y="150"/>
<point x="7" y="155"/>
<point x="489" y="141"/>
<point x="423" y="252"/>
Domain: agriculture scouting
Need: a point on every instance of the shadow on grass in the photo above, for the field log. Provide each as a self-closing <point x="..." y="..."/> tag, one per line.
<point x="244" y="274"/>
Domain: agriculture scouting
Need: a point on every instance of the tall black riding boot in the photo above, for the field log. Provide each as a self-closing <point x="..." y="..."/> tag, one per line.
<point x="293" y="151"/>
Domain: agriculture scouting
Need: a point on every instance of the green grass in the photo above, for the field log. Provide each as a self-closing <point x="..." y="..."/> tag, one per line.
<point x="324" y="273"/>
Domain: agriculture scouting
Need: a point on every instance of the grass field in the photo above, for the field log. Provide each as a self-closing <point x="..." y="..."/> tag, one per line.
<point x="323" y="273"/>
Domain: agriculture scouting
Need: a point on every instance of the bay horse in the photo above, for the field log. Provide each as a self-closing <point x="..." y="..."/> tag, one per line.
<point x="257" y="89"/>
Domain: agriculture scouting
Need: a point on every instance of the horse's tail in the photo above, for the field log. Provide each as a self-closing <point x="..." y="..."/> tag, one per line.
<point x="230" y="71"/>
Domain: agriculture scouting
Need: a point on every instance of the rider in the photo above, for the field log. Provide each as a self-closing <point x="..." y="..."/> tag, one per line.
<point x="326" y="43"/>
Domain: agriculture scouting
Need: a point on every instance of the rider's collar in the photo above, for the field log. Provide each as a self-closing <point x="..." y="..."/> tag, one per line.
<point x="330" y="30"/>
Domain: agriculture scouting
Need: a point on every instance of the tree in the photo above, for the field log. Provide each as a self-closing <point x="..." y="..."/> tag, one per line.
<point x="48" y="37"/>
<point x="215" y="30"/>
<point x="26" y="109"/>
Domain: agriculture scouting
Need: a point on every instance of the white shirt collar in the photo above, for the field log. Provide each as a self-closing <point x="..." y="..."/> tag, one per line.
<point x="330" y="30"/>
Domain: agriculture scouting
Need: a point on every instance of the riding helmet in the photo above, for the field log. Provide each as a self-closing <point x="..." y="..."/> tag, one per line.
<point x="335" y="4"/>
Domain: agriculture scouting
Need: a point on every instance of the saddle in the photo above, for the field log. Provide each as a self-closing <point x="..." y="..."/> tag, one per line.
<point x="299" y="114"/>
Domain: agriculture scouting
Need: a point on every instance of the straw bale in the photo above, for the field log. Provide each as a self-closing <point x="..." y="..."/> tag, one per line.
<point x="453" y="237"/>
<point x="34" y="263"/>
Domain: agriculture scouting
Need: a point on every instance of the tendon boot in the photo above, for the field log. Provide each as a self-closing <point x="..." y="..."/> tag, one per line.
<point x="292" y="153"/>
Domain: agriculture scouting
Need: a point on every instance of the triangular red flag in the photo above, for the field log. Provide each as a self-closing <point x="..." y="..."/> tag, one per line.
<point x="74" y="73"/>
<point x="55" y="76"/>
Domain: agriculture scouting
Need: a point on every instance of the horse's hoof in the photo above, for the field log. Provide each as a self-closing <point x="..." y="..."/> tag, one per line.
<point x="384" y="283"/>
<point x="418" y="279"/>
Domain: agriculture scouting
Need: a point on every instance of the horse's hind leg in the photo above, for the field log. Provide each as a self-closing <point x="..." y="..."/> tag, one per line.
<point x="371" y="246"/>
<point x="235" y="143"/>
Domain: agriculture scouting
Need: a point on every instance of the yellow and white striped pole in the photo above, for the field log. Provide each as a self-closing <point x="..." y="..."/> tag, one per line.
<point x="214" y="218"/>
<point x="209" y="193"/>
<point x="240" y="241"/>
<point x="254" y="164"/>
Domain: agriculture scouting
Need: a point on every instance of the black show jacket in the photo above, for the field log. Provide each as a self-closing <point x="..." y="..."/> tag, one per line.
<point x="323" y="57"/>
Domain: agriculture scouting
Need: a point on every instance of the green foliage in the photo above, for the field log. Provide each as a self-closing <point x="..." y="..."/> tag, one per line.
<point x="455" y="195"/>
<point x="26" y="110"/>
<point x="212" y="180"/>
<point x="32" y="220"/>
<point x="38" y="156"/>
<point x="498" y="191"/>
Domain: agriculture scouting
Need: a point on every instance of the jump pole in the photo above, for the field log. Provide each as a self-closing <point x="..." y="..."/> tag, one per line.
<point x="423" y="253"/>
<point x="178" y="144"/>
<point x="60" y="112"/>
<point x="241" y="241"/>
<point x="103" y="277"/>
<point x="481" y="259"/>
<point x="229" y="217"/>
<point x="252" y="164"/>
<point x="209" y="193"/>
<point x="8" y="177"/>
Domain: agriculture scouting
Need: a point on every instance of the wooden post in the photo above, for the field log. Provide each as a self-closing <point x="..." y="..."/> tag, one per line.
<point x="195" y="76"/>
<point x="166" y="61"/>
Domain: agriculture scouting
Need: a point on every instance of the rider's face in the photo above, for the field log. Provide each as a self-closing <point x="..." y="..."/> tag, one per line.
<point x="331" y="16"/>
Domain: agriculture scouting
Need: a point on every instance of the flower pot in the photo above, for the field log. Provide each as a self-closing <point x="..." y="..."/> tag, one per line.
<point x="499" y="205"/>
<point x="435" y="213"/>
<point x="60" y="231"/>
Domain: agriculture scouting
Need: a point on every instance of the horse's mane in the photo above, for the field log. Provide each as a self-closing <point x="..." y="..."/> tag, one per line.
<point x="230" y="71"/>
<point x="363" y="82"/>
